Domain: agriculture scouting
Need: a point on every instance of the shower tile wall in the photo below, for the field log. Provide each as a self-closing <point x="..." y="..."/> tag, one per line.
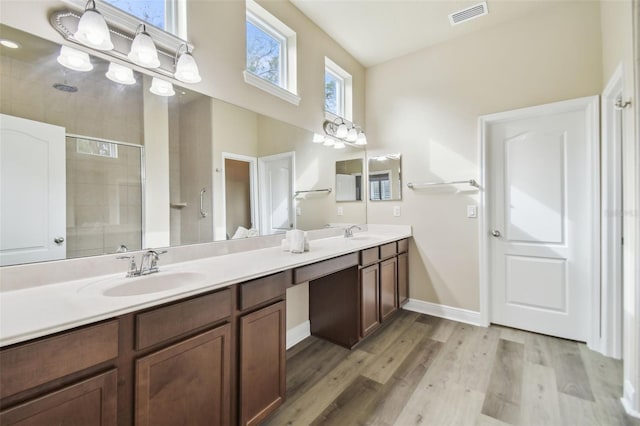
<point x="104" y="201"/>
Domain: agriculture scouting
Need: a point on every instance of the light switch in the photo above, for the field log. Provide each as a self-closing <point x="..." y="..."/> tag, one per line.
<point x="396" y="211"/>
<point x="472" y="211"/>
<point x="340" y="211"/>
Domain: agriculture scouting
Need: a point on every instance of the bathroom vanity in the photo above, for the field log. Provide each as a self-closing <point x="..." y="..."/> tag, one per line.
<point x="208" y="355"/>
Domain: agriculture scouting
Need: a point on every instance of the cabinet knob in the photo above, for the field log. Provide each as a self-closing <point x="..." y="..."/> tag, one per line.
<point x="58" y="240"/>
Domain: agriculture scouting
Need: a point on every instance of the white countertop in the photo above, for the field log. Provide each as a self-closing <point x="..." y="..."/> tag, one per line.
<point x="38" y="311"/>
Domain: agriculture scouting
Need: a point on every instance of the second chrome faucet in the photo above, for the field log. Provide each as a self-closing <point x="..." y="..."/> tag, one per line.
<point x="148" y="263"/>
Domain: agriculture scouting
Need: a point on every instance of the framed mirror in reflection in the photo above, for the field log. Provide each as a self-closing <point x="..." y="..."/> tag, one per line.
<point x="385" y="178"/>
<point x="138" y="170"/>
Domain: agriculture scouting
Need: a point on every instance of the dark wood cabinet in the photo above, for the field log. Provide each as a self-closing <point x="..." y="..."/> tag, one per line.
<point x="369" y="299"/>
<point x="388" y="288"/>
<point x="403" y="278"/>
<point x="91" y="402"/>
<point x="186" y="383"/>
<point x="262" y="363"/>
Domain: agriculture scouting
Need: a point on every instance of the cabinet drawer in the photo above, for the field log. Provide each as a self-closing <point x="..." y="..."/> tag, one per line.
<point x="92" y="401"/>
<point x="369" y="256"/>
<point x="174" y="320"/>
<point x="388" y="250"/>
<point x="403" y="246"/>
<point x="253" y="293"/>
<point x="32" y="364"/>
<point x="325" y="267"/>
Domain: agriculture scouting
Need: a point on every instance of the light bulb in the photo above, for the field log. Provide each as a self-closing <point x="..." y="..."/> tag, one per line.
<point x="352" y="135"/>
<point x="342" y="131"/>
<point x="187" y="69"/>
<point x="143" y="50"/>
<point x="74" y="59"/>
<point x="361" y="139"/>
<point x="161" y="87"/>
<point x="93" y="30"/>
<point x="120" y="74"/>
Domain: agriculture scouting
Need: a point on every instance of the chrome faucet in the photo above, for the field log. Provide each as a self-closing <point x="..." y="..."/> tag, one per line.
<point x="148" y="263"/>
<point x="348" y="232"/>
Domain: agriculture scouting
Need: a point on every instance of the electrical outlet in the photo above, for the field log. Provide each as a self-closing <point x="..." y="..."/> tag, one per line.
<point x="340" y="211"/>
<point x="472" y="211"/>
<point x="396" y="211"/>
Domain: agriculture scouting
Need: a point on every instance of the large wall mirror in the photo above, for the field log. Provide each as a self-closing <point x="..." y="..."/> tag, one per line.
<point x="112" y="165"/>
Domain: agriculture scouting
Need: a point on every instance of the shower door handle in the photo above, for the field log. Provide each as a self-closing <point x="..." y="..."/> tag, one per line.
<point x="202" y="212"/>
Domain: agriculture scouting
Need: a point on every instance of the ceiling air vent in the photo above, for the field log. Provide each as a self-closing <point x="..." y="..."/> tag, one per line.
<point x="469" y="13"/>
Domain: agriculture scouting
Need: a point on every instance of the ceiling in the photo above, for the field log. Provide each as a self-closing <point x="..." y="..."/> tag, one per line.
<point x="375" y="31"/>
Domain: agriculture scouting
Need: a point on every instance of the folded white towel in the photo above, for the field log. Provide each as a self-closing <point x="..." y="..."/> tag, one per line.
<point x="295" y="238"/>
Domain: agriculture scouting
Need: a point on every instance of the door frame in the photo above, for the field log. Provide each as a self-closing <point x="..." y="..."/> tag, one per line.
<point x="612" y="218"/>
<point x="590" y="106"/>
<point x="253" y="182"/>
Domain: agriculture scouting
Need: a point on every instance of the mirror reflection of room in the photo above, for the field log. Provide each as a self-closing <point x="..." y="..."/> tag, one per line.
<point x="349" y="180"/>
<point x="385" y="178"/>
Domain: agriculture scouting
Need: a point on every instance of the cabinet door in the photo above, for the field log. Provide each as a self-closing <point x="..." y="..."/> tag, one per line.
<point x="262" y="363"/>
<point x="403" y="278"/>
<point x="186" y="383"/>
<point x="388" y="288"/>
<point x="91" y="402"/>
<point x="369" y="308"/>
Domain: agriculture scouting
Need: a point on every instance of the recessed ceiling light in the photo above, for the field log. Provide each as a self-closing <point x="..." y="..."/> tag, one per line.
<point x="9" y="43"/>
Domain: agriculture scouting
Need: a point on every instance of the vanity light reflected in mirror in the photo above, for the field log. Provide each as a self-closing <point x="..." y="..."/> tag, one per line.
<point x="385" y="178"/>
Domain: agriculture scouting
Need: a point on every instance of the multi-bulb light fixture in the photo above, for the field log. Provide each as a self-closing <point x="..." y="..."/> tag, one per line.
<point x="94" y="32"/>
<point x="339" y="134"/>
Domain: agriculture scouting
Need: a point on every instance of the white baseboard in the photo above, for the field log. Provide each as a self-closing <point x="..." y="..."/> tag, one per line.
<point x="443" y="311"/>
<point x="628" y="396"/>
<point x="298" y="333"/>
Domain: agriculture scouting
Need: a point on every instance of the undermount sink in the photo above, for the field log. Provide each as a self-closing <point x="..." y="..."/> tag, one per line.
<point x="147" y="284"/>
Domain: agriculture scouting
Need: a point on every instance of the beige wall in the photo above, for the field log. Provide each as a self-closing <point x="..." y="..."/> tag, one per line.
<point x="617" y="50"/>
<point x="426" y="106"/>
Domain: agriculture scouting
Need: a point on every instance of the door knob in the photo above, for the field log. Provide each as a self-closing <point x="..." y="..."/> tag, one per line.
<point x="496" y="233"/>
<point x="58" y="240"/>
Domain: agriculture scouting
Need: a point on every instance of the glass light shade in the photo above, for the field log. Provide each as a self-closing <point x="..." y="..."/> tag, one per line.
<point x="120" y="74"/>
<point x="161" y="88"/>
<point x="342" y="131"/>
<point x="143" y="51"/>
<point x="339" y="145"/>
<point x="318" y="138"/>
<point x="187" y="69"/>
<point x="93" y="31"/>
<point x="329" y="142"/>
<point x="362" y="139"/>
<point x="352" y="135"/>
<point x="74" y="59"/>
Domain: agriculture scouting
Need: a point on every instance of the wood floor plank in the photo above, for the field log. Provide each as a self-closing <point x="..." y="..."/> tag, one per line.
<point x="441" y="329"/>
<point x="311" y="364"/>
<point x="475" y="366"/>
<point x="605" y="374"/>
<point x="353" y="406"/>
<point x="381" y="340"/>
<point x="383" y="367"/>
<point x="502" y="400"/>
<point x="578" y="411"/>
<point x="398" y="390"/>
<point x="450" y="404"/>
<point x="513" y="334"/>
<point x="305" y="409"/>
<point x="571" y="376"/>
<point x="484" y="420"/>
<point x="539" y="404"/>
<point x="537" y="349"/>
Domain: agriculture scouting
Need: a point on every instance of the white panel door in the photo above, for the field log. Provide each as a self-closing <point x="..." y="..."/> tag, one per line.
<point x="32" y="191"/>
<point x="540" y="218"/>
<point x="276" y="193"/>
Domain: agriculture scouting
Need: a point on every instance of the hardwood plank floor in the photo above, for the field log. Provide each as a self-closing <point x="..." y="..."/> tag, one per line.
<point x="422" y="370"/>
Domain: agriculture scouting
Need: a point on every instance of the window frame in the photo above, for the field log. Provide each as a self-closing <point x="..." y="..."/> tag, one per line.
<point x="265" y="21"/>
<point x="346" y="110"/>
